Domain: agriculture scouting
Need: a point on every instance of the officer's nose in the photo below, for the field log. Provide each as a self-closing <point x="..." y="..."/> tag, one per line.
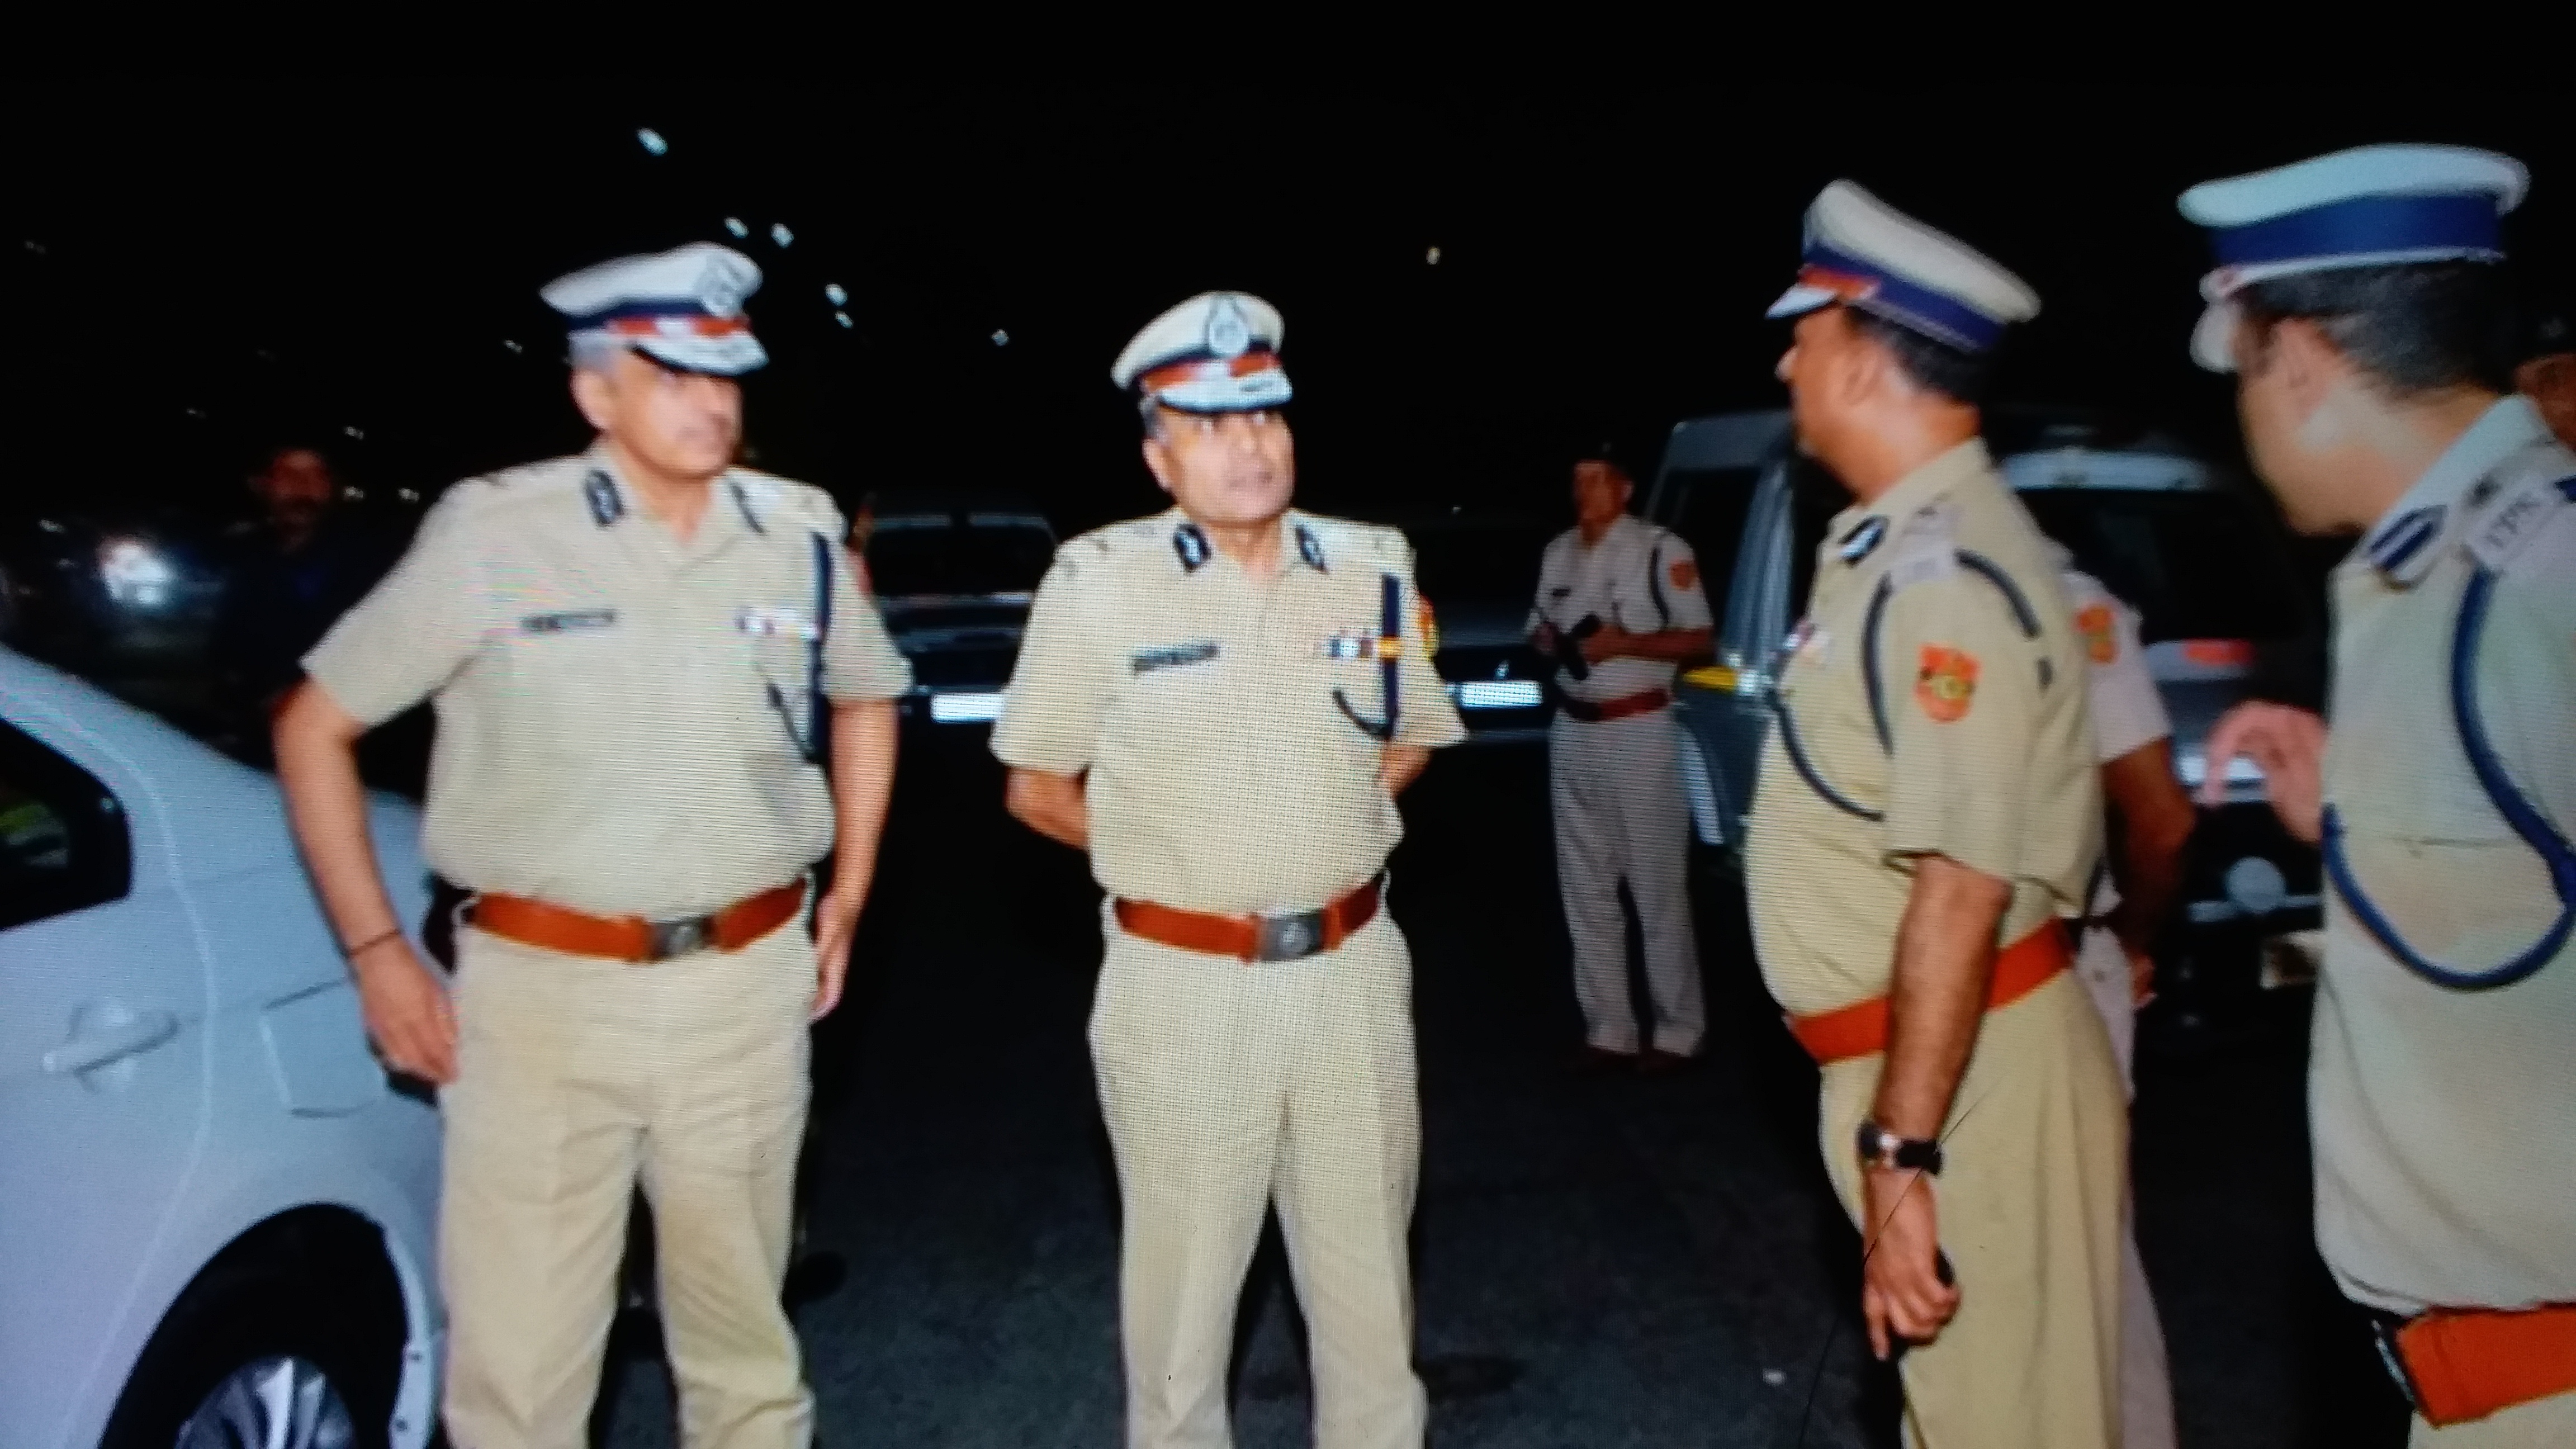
<point x="1788" y="360"/>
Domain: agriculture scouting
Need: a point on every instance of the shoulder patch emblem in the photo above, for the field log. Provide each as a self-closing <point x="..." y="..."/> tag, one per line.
<point x="1945" y="681"/>
<point x="2101" y="640"/>
<point x="1684" y="572"/>
<point x="1429" y="627"/>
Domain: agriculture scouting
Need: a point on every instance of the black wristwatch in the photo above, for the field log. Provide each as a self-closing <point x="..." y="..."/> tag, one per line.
<point x="1897" y="1154"/>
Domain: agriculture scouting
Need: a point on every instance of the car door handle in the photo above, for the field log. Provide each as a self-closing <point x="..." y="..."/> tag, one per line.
<point x="88" y="1050"/>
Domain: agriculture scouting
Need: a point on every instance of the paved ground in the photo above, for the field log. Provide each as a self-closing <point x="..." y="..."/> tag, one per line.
<point x="1599" y="1263"/>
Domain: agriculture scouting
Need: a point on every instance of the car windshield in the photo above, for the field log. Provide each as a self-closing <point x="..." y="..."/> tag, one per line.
<point x="1488" y="562"/>
<point x="913" y="560"/>
<point x="2194" y="564"/>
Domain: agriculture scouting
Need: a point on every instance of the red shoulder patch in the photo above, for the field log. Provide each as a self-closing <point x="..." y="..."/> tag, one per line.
<point x="1684" y="572"/>
<point x="2101" y="640"/>
<point x="1945" y="682"/>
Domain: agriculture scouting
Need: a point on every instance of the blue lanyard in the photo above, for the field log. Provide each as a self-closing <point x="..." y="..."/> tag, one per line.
<point x="2509" y="801"/>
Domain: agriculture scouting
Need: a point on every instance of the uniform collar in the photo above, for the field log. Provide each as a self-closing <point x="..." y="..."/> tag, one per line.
<point x="1620" y="527"/>
<point x="611" y="502"/>
<point x="1859" y="528"/>
<point x="2403" y="544"/>
<point x="1301" y="543"/>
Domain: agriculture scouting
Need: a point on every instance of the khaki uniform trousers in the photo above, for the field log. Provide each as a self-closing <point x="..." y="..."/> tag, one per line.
<point x="2146" y="1387"/>
<point x="2028" y="1201"/>
<point x="575" y="1078"/>
<point x="1226" y="1086"/>
<point x="2548" y="1423"/>
<point x="1615" y="787"/>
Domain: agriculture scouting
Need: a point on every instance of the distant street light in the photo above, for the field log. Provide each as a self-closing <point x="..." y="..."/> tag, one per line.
<point x="1432" y="257"/>
<point x="1001" y="338"/>
<point x="353" y="430"/>
<point x="843" y="318"/>
<point x="652" y="140"/>
<point x="779" y="233"/>
<point x="833" y="293"/>
<point x="734" y="224"/>
<point x="512" y="343"/>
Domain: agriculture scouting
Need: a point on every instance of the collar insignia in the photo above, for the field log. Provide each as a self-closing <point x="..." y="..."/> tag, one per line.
<point x="2402" y="550"/>
<point x="601" y="494"/>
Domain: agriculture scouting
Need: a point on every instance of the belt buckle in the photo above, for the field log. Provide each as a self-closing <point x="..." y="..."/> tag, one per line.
<point x="686" y="936"/>
<point x="1287" y="936"/>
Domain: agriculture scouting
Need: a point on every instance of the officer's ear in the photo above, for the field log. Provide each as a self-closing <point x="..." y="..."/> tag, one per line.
<point x="1158" y="461"/>
<point x="596" y="396"/>
<point x="2295" y="354"/>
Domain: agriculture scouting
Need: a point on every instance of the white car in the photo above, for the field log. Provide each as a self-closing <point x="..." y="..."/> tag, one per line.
<point x="216" y="1211"/>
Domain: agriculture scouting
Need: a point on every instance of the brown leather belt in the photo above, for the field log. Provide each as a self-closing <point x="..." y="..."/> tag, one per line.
<point x="1253" y="938"/>
<point x="2462" y="1364"/>
<point x="1860" y="1030"/>
<point x="1589" y="712"/>
<point x="634" y="939"/>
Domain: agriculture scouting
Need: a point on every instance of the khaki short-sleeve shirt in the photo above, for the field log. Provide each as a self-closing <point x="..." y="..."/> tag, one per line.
<point x="1936" y="687"/>
<point x="1219" y="716"/>
<point x="2442" y="1113"/>
<point x="623" y="718"/>
<point x="1638" y="577"/>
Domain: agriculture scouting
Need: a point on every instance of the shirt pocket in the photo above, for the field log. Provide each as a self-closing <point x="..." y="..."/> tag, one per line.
<point x="774" y="645"/>
<point x="573" y="677"/>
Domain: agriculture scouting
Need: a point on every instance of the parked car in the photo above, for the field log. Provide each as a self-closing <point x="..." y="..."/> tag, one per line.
<point x="1480" y="574"/>
<point x="2223" y="618"/>
<point x="215" y="1208"/>
<point x="954" y="577"/>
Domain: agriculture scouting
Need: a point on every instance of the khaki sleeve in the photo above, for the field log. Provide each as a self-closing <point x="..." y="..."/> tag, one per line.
<point x="1061" y="685"/>
<point x="1428" y="717"/>
<point x="859" y="660"/>
<point x="416" y="629"/>
<point x="1960" y="688"/>
<point x="2128" y="712"/>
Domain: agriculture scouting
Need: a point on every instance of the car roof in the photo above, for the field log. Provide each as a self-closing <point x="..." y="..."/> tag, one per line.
<point x="2037" y="447"/>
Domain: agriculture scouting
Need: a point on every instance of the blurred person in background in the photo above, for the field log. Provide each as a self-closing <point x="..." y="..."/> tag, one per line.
<point x="292" y="573"/>
<point x="1620" y="609"/>
<point x="2150" y="823"/>
<point x="2545" y="368"/>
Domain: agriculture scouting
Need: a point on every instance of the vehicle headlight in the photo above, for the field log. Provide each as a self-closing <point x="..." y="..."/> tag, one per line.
<point x="2191" y="765"/>
<point x="136" y="574"/>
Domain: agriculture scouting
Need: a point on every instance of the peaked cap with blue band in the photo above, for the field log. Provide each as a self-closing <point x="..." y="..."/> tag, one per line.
<point x="2371" y="206"/>
<point x="681" y="307"/>
<point x="1218" y="352"/>
<point x="1863" y="253"/>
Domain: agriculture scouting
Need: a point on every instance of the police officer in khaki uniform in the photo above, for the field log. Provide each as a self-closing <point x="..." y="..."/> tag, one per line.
<point x="2356" y="301"/>
<point x="1619" y="606"/>
<point x="1220" y="703"/>
<point x="639" y="657"/>
<point x="1924" y="826"/>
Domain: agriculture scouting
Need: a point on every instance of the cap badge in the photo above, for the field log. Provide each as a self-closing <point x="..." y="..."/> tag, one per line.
<point x="1229" y="334"/>
<point x="722" y="288"/>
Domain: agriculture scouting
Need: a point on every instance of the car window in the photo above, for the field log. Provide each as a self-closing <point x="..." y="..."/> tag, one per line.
<point x="2195" y="565"/>
<point x="1707" y="508"/>
<point x="62" y="836"/>
<point x="913" y="560"/>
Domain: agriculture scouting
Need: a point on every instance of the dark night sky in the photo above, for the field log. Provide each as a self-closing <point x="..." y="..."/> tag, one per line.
<point x="358" y="259"/>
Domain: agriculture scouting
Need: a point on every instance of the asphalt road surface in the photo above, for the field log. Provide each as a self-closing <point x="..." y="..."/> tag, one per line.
<point x="1598" y="1262"/>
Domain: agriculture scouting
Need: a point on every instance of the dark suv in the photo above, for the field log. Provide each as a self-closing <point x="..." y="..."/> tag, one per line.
<point x="953" y="577"/>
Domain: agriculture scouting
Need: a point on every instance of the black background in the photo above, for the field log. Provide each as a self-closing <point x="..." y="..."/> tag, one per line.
<point x="194" y="277"/>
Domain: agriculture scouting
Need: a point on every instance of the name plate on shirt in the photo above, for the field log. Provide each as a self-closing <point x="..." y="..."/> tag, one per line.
<point x="1146" y="661"/>
<point x="567" y="622"/>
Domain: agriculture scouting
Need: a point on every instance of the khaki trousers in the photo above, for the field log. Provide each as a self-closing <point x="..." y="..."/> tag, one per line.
<point x="2146" y="1387"/>
<point x="2548" y="1423"/>
<point x="576" y="1079"/>
<point x="2029" y="1206"/>
<point x="1227" y="1086"/>
<point x="1615" y="788"/>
